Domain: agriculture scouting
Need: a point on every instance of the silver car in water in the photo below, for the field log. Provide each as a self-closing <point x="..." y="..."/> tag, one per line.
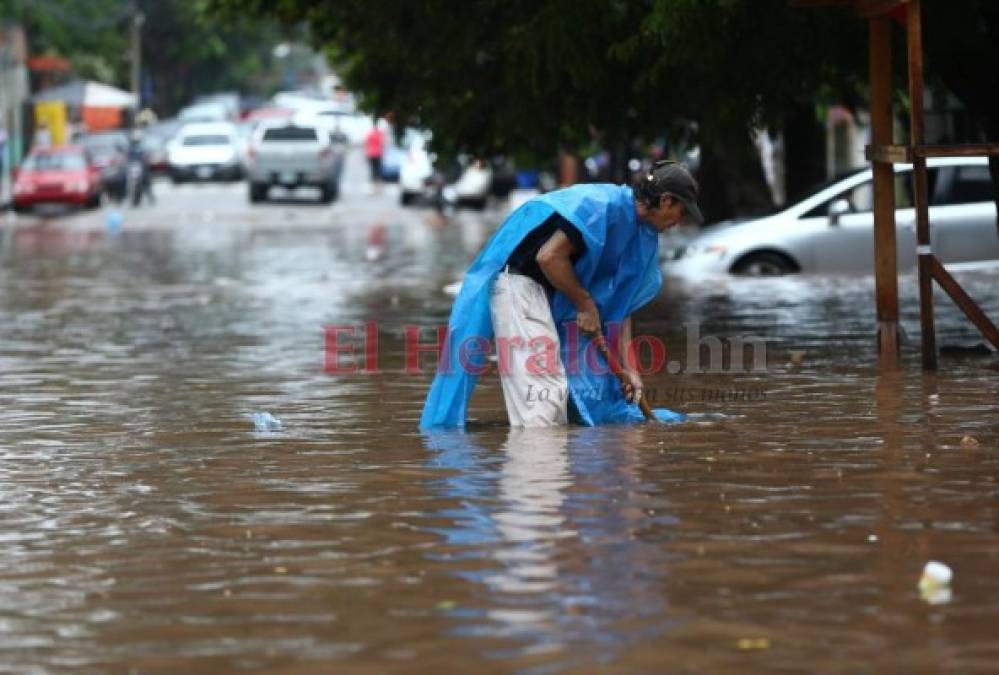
<point x="832" y="230"/>
<point x="283" y="154"/>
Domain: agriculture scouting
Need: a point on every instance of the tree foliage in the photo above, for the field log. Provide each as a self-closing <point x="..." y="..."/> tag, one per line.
<point x="89" y="33"/>
<point x="184" y="50"/>
<point x="492" y="72"/>
<point x="509" y="75"/>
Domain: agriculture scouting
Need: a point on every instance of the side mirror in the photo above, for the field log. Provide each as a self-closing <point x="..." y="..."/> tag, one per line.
<point x="838" y="208"/>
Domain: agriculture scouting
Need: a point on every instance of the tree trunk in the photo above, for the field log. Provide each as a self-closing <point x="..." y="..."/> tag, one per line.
<point x="731" y="176"/>
<point x="804" y="152"/>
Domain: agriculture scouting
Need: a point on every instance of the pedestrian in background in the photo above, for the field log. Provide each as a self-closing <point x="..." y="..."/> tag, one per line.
<point x="374" y="148"/>
<point x="3" y="147"/>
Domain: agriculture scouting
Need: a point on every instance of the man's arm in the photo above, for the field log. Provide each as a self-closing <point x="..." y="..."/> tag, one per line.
<point x="554" y="260"/>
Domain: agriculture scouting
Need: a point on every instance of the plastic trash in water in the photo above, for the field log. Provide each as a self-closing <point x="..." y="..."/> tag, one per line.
<point x="113" y="220"/>
<point x="667" y="416"/>
<point x="264" y="421"/>
<point x="934" y="584"/>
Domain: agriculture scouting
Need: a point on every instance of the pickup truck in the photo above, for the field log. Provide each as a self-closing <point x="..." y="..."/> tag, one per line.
<point x="294" y="155"/>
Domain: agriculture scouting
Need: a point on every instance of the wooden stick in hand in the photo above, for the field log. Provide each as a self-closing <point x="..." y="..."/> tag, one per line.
<point x="601" y="342"/>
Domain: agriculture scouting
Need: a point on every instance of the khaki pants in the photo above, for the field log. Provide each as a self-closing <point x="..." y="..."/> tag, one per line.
<point x="523" y="326"/>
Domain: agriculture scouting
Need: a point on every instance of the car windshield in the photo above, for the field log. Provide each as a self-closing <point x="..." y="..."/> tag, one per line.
<point x="290" y="134"/>
<point x="819" y="187"/>
<point x="55" y="162"/>
<point x="206" y="139"/>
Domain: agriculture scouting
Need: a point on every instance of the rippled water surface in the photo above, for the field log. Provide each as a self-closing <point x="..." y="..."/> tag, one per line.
<point x="147" y="527"/>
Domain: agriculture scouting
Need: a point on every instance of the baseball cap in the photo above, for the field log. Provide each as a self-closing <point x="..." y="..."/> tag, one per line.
<point x="670" y="178"/>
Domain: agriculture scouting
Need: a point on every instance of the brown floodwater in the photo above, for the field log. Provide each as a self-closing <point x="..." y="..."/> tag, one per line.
<point x="147" y="527"/>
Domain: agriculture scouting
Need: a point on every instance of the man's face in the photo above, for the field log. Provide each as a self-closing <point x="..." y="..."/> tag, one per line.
<point x="670" y="212"/>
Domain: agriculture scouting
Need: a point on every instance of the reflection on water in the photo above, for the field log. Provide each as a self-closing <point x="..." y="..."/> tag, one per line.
<point x="147" y="526"/>
<point x="562" y="567"/>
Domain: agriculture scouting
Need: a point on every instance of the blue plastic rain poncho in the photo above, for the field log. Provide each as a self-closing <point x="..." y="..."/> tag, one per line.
<point x="620" y="269"/>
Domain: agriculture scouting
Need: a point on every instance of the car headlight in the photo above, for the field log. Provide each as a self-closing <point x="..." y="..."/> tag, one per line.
<point x="23" y="188"/>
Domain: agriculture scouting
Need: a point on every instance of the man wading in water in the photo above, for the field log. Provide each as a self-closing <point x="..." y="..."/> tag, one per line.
<point x="589" y="254"/>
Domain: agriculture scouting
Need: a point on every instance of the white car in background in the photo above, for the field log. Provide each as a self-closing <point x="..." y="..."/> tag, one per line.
<point x="832" y="230"/>
<point x="473" y="186"/>
<point x="416" y="171"/>
<point x="209" y="111"/>
<point x="354" y="126"/>
<point x="205" y="151"/>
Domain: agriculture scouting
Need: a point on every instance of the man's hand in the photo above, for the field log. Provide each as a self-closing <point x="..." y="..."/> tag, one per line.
<point x="588" y="317"/>
<point x="631" y="386"/>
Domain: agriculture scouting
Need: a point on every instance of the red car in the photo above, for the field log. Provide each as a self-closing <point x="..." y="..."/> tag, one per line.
<point x="63" y="175"/>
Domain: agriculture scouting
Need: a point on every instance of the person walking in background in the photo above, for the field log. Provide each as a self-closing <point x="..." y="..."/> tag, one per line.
<point x="3" y="147"/>
<point x="138" y="160"/>
<point x="3" y="161"/>
<point x="374" y="148"/>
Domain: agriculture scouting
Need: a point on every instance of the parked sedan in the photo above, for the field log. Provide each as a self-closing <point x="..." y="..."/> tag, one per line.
<point x="62" y="175"/>
<point x="205" y="151"/>
<point x="832" y="230"/>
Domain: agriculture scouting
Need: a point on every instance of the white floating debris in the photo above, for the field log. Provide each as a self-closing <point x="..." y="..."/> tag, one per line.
<point x="453" y="289"/>
<point x="934" y="584"/>
<point x="264" y="421"/>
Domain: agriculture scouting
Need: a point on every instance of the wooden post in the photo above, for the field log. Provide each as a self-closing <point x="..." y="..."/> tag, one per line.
<point x="914" y="43"/>
<point x="885" y="262"/>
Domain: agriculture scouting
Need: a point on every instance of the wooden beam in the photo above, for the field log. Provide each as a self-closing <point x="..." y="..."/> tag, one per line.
<point x="968" y="150"/>
<point x="920" y="191"/>
<point x="888" y="154"/>
<point x="874" y="8"/>
<point x="867" y="9"/>
<point x="885" y="262"/>
<point x="964" y="301"/>
<point x="813" y="4"/>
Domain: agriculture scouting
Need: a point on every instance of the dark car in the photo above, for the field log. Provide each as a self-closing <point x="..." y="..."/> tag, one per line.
<point x="109" y="151"/>
<point x="155" y="139"/>
<point x="62" y="175"/>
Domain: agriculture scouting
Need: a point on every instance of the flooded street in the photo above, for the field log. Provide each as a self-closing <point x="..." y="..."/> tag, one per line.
<point x="146" y="527"/>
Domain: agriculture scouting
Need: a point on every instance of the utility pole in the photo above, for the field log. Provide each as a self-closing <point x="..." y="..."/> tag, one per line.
<point x="138" y="18"/>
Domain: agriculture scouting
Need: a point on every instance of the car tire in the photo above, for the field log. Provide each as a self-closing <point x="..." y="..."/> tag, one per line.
<point x="258" y="192"/>
<point x="406" y="198"/>
<point x="96" y="201"/>
<point x="764" y="264"/>
<point x="326" y="194"/>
